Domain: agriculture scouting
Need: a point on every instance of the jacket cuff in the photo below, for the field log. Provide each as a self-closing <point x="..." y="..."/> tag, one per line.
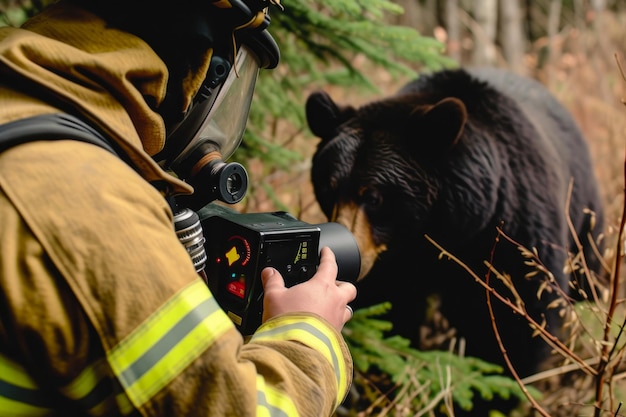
<point x="313" y="331"/>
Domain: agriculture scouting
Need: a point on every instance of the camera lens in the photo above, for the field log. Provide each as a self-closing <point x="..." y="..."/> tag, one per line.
<point x="341" y="241"/>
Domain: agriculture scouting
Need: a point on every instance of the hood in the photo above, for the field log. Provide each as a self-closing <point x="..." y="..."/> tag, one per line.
<point x="68" y="58"/>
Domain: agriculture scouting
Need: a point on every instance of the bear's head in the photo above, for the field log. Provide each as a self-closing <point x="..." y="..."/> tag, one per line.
<point x="376" y="168"/>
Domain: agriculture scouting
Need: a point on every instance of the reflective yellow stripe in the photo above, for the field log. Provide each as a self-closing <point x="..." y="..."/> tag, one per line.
<point x="87" y="381"/>
<point x="94" y="391"/>
<point x="165" y="344"/>
<point x="15" y="374"/>
<point x="12" y="408"/>
<point x="124" y="404"/>
<point x="112" y="404"/>
<point x="91" y="391"/>
<point x="271" y="402"/>
<point x="307" y="330"/>
<point x="19" y="394"/>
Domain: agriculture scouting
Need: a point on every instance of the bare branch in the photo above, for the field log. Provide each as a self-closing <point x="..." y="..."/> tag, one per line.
<point x="521" y="311"/>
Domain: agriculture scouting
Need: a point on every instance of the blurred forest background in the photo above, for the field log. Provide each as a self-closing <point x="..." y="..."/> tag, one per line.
<point x="572" y="46"/>
<point x="359" y="50"/>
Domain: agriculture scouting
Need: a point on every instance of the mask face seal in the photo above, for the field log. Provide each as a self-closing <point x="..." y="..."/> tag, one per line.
<point x="211" y="132"/>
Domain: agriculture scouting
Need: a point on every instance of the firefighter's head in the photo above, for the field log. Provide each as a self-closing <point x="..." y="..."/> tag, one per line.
<point x="213" y="50"/>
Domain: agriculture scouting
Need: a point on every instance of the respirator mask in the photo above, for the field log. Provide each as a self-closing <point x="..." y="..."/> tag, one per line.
<point x="197" y="147"/>
<point x="212" y="131"/>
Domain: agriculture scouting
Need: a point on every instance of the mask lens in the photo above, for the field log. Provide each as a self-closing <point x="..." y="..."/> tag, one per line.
<point x="225" y="123"/>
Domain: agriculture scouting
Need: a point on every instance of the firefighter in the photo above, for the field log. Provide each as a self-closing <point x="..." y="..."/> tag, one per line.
<point x="101" y="310"/>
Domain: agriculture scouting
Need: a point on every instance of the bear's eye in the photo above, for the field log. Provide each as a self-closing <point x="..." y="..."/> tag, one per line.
<point x="370" y="198"/>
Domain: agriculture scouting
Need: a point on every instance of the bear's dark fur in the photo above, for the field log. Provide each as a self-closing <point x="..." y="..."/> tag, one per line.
<point x="455" y="155"/>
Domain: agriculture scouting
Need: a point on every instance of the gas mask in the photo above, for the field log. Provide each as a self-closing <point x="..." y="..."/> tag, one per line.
<point x="197" y="148"/>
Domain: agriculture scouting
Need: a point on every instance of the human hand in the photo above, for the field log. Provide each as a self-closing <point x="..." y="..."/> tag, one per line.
<point x="322" y="294"/>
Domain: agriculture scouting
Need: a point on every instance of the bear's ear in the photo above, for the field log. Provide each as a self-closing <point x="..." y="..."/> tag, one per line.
<point x="324" y="115"/>
<point x="442" y="124"/>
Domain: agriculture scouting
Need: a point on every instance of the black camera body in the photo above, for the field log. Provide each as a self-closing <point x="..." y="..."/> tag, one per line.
<point x="240" y="245"/>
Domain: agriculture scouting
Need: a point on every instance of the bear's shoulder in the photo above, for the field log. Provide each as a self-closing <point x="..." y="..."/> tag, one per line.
<point x="459" y="83"/>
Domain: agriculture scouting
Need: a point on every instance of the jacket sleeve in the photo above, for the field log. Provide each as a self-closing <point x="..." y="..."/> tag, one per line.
<point x="108" y="315"/>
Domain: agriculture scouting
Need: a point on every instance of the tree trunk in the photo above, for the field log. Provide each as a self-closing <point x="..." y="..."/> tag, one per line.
<point x="512" y="35"/>
<point x="554" y="19"/>
<point x="452" y="24"/>
<point x="486" y="17"/>
<point x="421" y="16"/>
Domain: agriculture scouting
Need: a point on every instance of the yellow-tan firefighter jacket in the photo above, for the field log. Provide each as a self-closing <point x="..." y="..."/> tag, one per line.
<point x="101" y="310"/>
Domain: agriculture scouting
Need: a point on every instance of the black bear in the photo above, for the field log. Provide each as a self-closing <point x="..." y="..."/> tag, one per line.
<point x="457" y="155"/>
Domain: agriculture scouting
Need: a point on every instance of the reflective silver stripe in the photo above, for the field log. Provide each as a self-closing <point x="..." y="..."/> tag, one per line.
<point x="273" y="411"/>
<point x="165" y="344"/>
<point x="310" y="332"/>
<point x="309" y="328"/>
<point x="272" y="402"/>
<point x="169" y="340"/>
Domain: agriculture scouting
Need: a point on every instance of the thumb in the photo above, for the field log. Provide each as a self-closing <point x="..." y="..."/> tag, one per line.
<point x="271" y="279"/>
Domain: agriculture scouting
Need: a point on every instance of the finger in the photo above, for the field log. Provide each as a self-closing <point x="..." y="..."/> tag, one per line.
<point x="348" y="289"/>
<point x="271" y="279"/>
<point x="328" y="264"/>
